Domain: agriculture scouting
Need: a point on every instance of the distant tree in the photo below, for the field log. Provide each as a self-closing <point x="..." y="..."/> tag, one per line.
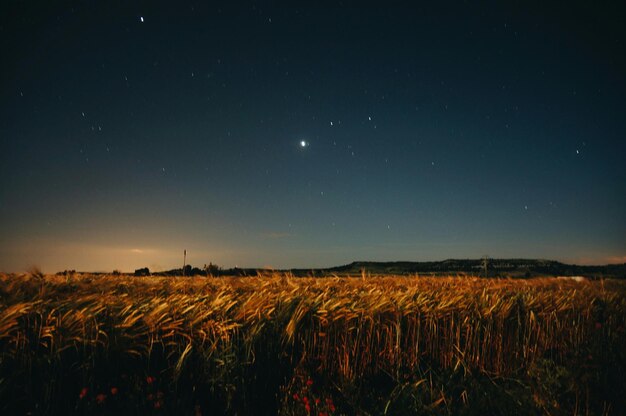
<point x="142" y="272"/>
<point x="211" y="269"/>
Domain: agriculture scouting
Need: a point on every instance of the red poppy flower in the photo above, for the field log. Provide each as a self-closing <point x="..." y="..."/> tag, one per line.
<point x="83" y="393"/>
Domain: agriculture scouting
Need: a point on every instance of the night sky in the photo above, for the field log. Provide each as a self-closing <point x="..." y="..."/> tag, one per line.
<point x="309" y="136"/>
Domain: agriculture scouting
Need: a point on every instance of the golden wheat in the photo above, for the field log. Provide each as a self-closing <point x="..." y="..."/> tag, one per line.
<point x="348" y="326"/>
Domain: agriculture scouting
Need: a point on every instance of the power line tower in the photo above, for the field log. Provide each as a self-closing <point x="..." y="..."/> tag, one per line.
<point x="485" y="265"/>
<point x="184" y="260"/>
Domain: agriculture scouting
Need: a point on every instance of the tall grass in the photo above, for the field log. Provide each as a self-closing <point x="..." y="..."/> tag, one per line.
<point x="245" y="342"/>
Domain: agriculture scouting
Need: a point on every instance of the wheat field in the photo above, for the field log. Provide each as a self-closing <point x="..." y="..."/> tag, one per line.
<point x="276" y="344"/>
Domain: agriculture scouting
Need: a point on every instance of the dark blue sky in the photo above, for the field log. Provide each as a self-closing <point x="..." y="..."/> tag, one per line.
<point x="130" y="133"/>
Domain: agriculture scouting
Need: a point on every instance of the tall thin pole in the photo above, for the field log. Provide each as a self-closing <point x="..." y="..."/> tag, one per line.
<point x="184" y="260"/>
<point x="485" y="264"/>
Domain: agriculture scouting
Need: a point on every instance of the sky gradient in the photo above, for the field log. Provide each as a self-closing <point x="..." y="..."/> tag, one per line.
<point x="130" y="133"/>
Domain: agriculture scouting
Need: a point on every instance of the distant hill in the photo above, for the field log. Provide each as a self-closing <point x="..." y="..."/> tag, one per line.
<point x="495" y="267"/>
<point x="516" y="268"/>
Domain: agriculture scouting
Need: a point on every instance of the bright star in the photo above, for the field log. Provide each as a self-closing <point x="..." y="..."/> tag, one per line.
<point x="303" y="143"/>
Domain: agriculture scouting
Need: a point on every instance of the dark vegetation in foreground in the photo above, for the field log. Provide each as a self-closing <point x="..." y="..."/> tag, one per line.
<point x="85" y="344"/>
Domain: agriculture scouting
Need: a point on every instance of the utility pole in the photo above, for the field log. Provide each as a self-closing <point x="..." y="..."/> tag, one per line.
<point x="485" y="264"/>
<point x="184" y="260"/>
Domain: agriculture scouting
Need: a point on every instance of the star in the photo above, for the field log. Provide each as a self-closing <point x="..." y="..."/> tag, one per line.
<point x="303" y="143"/>
<point x="141" y="19"/>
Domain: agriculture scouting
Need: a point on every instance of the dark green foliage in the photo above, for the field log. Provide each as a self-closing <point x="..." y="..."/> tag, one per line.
<point x="142" y="272"/>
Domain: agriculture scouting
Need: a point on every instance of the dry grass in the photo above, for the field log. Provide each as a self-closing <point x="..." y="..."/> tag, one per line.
<point x="345" y="328"/>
